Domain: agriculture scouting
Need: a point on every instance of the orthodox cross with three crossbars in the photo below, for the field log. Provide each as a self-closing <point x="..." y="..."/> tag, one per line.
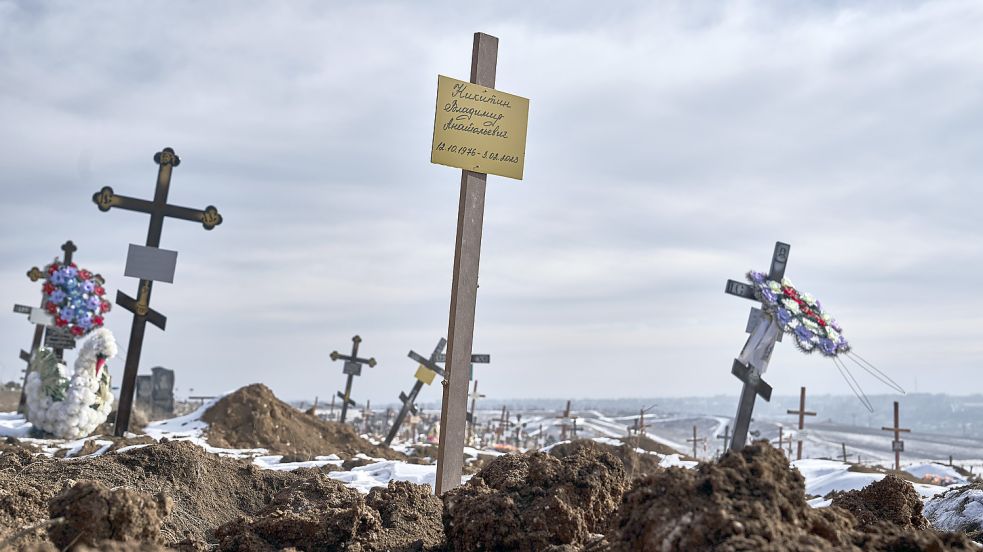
<point x="158" y="209"/>
<point x="352" y="368"/>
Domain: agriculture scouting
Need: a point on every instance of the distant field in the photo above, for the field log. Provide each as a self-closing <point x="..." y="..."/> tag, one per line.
<point x="9" y="400"/>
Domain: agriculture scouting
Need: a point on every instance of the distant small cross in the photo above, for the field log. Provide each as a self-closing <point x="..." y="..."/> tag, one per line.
<point x="725" y="437"/>
<point x="695" y="440"/>
<point x="474" y="396"/>
<point x="802" y="413"/>
<point x="352" y="368"/>
<point x="897" y="445"/>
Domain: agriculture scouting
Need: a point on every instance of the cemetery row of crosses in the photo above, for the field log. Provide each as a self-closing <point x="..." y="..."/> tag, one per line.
<point x="246" y="471"/>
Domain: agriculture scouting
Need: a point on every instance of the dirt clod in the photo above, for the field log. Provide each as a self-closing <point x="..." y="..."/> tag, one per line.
<point x="637" y="464"/>
<point x="531" y="501"/>
<point x="92" y="512"/>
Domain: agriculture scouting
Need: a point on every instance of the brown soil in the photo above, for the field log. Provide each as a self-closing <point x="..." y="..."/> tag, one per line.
<point x="91" y="512"/>
<point x="891" y="499"/>
<point x="207" y="490"/>
<point x="531" y="501"/>
<point x="252" y="417"/>
<point x="9" y="400"/>
<point x="900" y="474"/>
<point x="318" y="513"/>
<point x="636" y="464"/>
<point x="751" y="500"/>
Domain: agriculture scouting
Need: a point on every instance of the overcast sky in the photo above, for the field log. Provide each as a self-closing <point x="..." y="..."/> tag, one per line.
<point x="670" y="145"/>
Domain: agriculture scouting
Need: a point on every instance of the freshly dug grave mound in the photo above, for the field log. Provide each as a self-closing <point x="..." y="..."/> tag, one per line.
<point x="890" y="499"/>
<point x="91" y="513"/>
<point x="138" y="420"/>
<point x="959" y="509"/>
<point x="531" y="501"/>
<point x="253" y="417"/>
<point x="636" y="464"/>
<point x="321" y="514"/>
<point x="208" y="490"/>
<point x="751" y="500"/>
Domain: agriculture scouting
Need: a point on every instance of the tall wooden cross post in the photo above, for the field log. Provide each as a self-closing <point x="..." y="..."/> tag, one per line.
<point x="801" y="413"/>
<point x="41" y="321"/>
<point x="897" y="445"/>
<point x="563" y="424"/>
<point x="844" y="455"/>
<point x="352" y="368"/>
<point x="464" y="293"/>
<point x="754" y="358"/>
<point x="425" y="374"/>
<point x="149" y="264"/>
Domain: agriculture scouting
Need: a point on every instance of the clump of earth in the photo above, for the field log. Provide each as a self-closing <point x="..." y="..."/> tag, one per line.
<point x="637" y="464"/>
<point x="753" y="500"/>
<point x="253" y="417"/>
<point x="528" y="502"/>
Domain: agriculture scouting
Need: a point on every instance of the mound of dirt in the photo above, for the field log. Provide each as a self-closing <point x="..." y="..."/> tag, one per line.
<point x="253" y="417"/>
<point x="318" y="513"/>
<point x="91" y="513"/>
<point x="753" y="500"/>
<point x="636" y="464"/>
<point x="207" y="490"/>
<point x="531" y="501"/>
<point x="890" y="500"/>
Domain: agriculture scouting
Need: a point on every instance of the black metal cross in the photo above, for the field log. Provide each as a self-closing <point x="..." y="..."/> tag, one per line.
<point x="158" y="209"/>
<point x="425" y="374"/>
<point x="352" y="368"/>
<point x="754" y="358"/>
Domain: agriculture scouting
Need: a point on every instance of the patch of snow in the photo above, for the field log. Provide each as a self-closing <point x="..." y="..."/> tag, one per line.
<point x="379" y="474"/>
<point x="959" y="509"/>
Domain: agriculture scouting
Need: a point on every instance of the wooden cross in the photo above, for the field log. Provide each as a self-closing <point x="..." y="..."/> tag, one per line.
<point x="352" y="368"/>
<point x="563" y="424"/>
<point x="781" y="439"/>
<point x="331" y="412"/>
<point x="366" y="413"/>
<point x="158" y="209"/>
<point x="802" y="413"/>
<point x="464" y="293"/>
<point x="474" y="396"/>
<point x="425" y="374"/>
<point x="756" y="354"/>
<point x="844" y="454"/>
<point x="694" y="440"/>
<point x="897" y="445"/>
<point x="725" y="437"/>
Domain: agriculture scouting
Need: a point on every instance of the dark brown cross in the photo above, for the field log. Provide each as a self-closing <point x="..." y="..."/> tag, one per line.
<point x="694" y="440"/>
<point x="352" y="368"/>
<point x="843" y="455"/>
<point x="897" y="445"/>
<point x="757" y="351"/>
<point x="35" y="274"/>
<point x="725" y="437"/>
<point x="425" y="374"/>
<point x="563" y="424"/>
<point x="801" y="413"/>
<point x="781" y="438"/>
<point x="158" y="209"/>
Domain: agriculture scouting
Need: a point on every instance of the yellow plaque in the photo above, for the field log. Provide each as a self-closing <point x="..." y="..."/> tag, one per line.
<point x="425" y="374"/>
<point x="479" y="129"/>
